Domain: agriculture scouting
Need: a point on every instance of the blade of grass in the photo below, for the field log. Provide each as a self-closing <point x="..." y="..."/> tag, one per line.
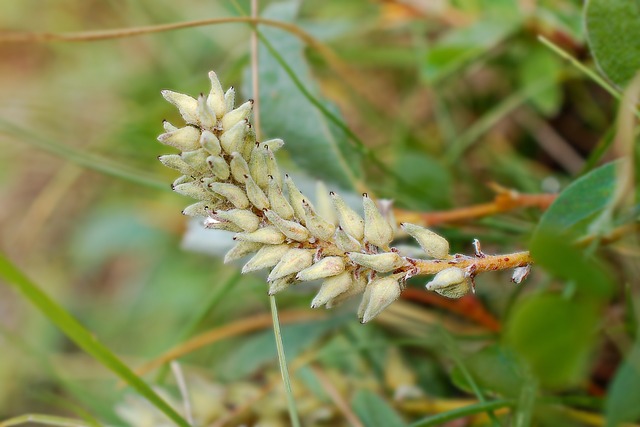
<point x="526" y="401"/>
<point x="82" y="337"/>
<point x="49" y="420"/>
<point x="284" y="370"/>
<point x="440" y="419"/>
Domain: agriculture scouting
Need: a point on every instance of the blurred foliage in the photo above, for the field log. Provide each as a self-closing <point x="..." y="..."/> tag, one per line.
<point x="439" y="98"/>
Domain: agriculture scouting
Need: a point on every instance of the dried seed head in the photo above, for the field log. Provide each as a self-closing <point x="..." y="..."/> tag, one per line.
<point x="293" y="261"/>
<point x="210" y="143"/>
<point x="349" y="220"/>
<point x="331" y="288"/>
<point x="187" y="106"/>
<point x="318" y="227"/>
<point x="255" y="194"/>
<point x="292" y="230"/>
<point x="234" y="116"/>
<point x="184" y="139"/>
<point x="240" y="250"/>
<point x="379" y="294"/>
<point x="376" y="228"/>
<point x="216" y="100"/>
<point x="432" y="244"/>
<point x="382" y="263"/>
<point x="234" y="194"/>
<point x="277" y="200"/>
<point x="243" y="218"/>
<point x="268" y="235"/>
<point x="326" y="267"/>
<point x="452" y="282"/>
<point x="267" y="257"/>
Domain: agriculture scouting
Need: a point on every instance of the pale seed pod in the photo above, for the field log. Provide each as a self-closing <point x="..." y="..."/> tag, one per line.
<point x="240" y="250"/>
<point x="281" y="284"/>
<point x="216" y="100"/>
<point x="255" y="194"/>
<point x="184" y="139"/>
<point x="206" y="115"/>
<point x="193" y="190"/>
<point x="174" y="161"/>
<point x="324" y="203"/>
<point x="243" y="218"/>
<point x="326" y="267"/>
<point x="268" y="235"/>
<point x="196" y="209"/>
<point x="234" y="137"/>
<point x="258" y="167"/>
<point x="273" y="144"/>
<point x="234" y="194"/>
<point x="376" y="228"/>
<point x="210" y="143"/>
<point x="291" y="262"/>
<point x="358" y="285"/>
<point x="451" y="282"/>
<point x="239" y="167"/>
<point x="431" y="243"/>
<point x="197" y="159"/>
<point x="318" y="227"/>
<point x="230" y="98"/>
<point x="213" y="223"/>
<point x="345" y="242"/>
<point x="272" y="165"/>
<point x="168" y="127"/>
<point x="248" y="143"/>
<point x="331" y="288"/>
<point x="278" y="202"/>
<point x="234" y="116"/>
<point x="182" y="179"/>
<point x="381" y="292"/>
<point x="349" y="220"/>
<point x="382" y="263"/>
<point x="292" y="230"/>
<point x="267" y="257"/>
<point x="296" y="198"/>
<point x="219" y="167"/>
<point x="187" y="106"/>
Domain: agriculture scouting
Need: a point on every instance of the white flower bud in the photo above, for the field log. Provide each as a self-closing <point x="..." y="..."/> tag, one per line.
<point x="345" y="242"/>
<point x="268" y="235"/>
<point x="243" y="218"/>
<point x="382" y="263"/>
<point x="187" y="106"/>
<point x="376" y="228"/>
<point x="258" y="167"/>
<point x="184" y="139"/>
<point x="234" y="116"/>
<point x="210" y="143"/>
<point x="324" y="203"/>
<point x="432" y="244"/>
<point x="451" y="282"/>
<point x="292" y="262"/>
<point x="193" y="190"/>
<point x="219" y="167"/>
<point x="331" y="288"/>
<point x="296" y="198"/>
<point x="349" y="220"/>
<point x="168" y="127"/>
<point x="281" y="284"/>
<point x="266" y="257"/>
<point x="196" y="209"/>
<point x="240" y="250"/>
<point x="230" y="98"/>
<point x="206" y="115"/>
<point x="379" y="294"/>
<point x="291" y="229"/>
<point x="255" y="194"/>
<point x="234" y="194"/>
<point x="318" y="227"/>
<point x="239" y="167"/>
<point x="174" y="161"/>
<point x="233" y="138"/>
<point x="273" y="144"/>
<point x="278" y="202"/>
<point x="215" y="100"/>
<point x="326" y="267"/>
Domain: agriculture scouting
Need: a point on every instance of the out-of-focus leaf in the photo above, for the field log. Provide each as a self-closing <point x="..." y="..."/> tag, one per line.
<point x="540" y="64"/>
<point x="314" y="143"/>
<point x="554" y="336"/>
<point x="613" y="31"/>
<point x="433" y="180"/>
<point x="495" y="368"/>
<point x="622" y="400"/>
<point x="373" y="411"/>
<point x="460" y="46"/>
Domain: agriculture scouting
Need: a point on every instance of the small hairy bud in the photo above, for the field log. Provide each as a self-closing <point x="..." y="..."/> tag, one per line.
<point x="452" y="282"/>
<point x="230" y="98"/>
<point x="219" y="167"/>
<point x="349" y="220"/>
<point x="233" y="139"/>
<point x="240" y="250"/>
<point x="239" y="167"/>
<point x="255" y="194"/>
<point x="187" y="106"/>
<point x="184" y="139"/>
<point x="206" y="115"/>
<point x="345" y="242"/>
<point x="174" y="161"/>
<point x="293" y="261"/>
<point x="168" y="127"/>
<point x="326" y="267"/>
<point x="376" y="228"/>
<point x="234" y="194"/>
<point x="382" y="263"/>
<point x="278" y="202"/>
<point x="296" y="198"/>
<point x="291" y="229"/>
<point x="324" y="203"/>
<point x="281" y="284"/>
<point x="241" y="113"/>
<point x="216" y="100"/>
<point x="273" y="144"/>
<point x="210" y="143"/>
<point x="268" y="235"/>
<point x="318" y="227"/>
<point x="196" y="209"/>
<point x="197" y="159"/>
<point x="358" y="285"/>
<point x="258" y="167"/>
<point x="272" y="165"/>
<point x="331" y="288"/>
<point x="266" y="257"/>
<point x="193" y="190"/>
<point x="431" y="243"/>
<point x="243" y="218"/>
<point x="378" y="294"/>
<point x="214" y="223"/>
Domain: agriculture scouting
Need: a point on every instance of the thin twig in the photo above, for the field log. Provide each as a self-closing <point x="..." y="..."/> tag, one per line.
<point x="478" y="264"/>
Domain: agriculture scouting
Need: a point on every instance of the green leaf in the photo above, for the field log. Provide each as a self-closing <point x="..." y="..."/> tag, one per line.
<point x="432" y="180"/>
<point x="554" y="336"/>
<point x="314" y="143"/>
<point x="613" y="31"/>
<point x="622" y="400"/>
<point x="541" y="65"/>
<point x="82" y="337"/>
<point x="374" y="411"/>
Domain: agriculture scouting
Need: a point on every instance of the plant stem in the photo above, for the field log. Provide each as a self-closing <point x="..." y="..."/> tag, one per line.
<point x="481" y="264"/>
